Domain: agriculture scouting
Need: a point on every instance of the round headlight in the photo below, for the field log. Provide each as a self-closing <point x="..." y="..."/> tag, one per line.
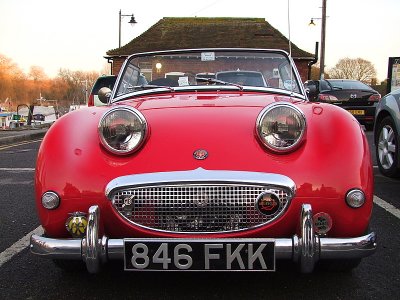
<point x="281" y="127"/>
<point x="122" y="130"/>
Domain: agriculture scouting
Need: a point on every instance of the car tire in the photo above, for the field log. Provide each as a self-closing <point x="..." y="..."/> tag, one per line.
<point x="387" y="148"/>
<point x="70" y="266"/>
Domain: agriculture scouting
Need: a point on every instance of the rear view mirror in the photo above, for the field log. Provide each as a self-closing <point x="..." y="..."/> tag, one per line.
<point x="104" y="94"/>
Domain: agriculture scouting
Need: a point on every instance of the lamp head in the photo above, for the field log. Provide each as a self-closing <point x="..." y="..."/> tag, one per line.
<point x="132" y="20"/>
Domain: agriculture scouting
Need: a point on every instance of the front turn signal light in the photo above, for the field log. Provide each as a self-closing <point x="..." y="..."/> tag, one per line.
<point x="355" y="198"/>
<point x="50" y="200"/>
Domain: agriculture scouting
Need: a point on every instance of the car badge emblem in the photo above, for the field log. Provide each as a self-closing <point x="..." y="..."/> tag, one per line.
<point x="267" y="203"/>
<point x="76" y="224"/>
<point x="322" y="222"/>
<point x="128" y="204"/>
<point x="353" y="96"/>
<point x="200" y="154"/>
<point x="201" y="200"/>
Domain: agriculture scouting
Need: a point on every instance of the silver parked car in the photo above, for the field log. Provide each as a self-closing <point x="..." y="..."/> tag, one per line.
<point x="386" y="134"/>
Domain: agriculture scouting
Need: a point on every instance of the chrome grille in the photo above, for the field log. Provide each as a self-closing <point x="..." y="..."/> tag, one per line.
<point x="195" y="208"/>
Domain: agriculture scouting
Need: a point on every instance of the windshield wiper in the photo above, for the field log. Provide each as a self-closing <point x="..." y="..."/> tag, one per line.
<point x="213" y="80"/>
<point x="148" y="86"/>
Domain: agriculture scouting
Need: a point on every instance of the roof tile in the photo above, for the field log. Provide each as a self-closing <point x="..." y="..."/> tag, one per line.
<point x="187" y="33"/>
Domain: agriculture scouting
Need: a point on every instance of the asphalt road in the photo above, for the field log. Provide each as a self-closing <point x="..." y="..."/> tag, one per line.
<point x="25" y="276"/>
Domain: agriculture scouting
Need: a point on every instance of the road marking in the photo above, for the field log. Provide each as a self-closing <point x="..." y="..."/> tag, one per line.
<point x="19" y="144"/>
<point x="387" y="206"/>
<point x="17" y="169"/>
<point x="17" y="247"/>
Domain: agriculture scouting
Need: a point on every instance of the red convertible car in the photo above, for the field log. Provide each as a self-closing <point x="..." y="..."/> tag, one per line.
<point x="236" y="171"/>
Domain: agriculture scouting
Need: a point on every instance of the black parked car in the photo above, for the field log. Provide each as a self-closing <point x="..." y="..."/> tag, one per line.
<point x="354" y="96"/>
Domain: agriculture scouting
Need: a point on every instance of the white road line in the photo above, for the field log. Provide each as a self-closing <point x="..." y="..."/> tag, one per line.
<point x="17" y="169"/>
<point x="3" y="147"/>
<point x="17" y="247"/>
<point x="387" y="206"/>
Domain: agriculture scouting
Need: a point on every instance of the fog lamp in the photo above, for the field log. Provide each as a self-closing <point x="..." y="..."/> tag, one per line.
<point x="322" y="223"/>
<point x="76" y="224"/>
<point x="50" y="200"/>
<point x="355" y="198"/>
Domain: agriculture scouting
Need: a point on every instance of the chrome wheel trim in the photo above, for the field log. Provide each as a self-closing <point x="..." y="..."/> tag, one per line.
<point x="387" y="147"/>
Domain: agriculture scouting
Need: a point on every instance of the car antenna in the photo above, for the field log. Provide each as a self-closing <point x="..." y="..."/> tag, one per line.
<point x="290" y="49"/>
<point x="288" y="17"/>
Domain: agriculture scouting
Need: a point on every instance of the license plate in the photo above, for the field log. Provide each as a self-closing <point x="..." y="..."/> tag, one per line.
<point x="357" y="112"/>
<point x="199" y="255"/>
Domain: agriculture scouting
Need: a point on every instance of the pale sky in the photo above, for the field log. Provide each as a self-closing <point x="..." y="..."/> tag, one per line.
<point x="74" y="34"/>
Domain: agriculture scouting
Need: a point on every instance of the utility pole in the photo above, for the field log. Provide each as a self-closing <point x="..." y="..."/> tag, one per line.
<point x="119" y="32"/>
<point x="323" y="30"/>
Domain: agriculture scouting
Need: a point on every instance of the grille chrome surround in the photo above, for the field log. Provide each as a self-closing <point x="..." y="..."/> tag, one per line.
<point x="198" y="201"/>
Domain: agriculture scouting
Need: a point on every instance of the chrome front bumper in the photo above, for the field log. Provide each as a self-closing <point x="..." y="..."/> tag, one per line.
<point x="305" y="249"/>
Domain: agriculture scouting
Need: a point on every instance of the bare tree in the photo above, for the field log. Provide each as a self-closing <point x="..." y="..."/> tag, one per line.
<point x="357" y="68"/>
<point x="69" y="87"/>
<point x="315" y="71"/>
<point x="78" y="84"/>
<point x="37" y="73"/>
<point x="38" y="76"/>
<point x="11" y="80"/>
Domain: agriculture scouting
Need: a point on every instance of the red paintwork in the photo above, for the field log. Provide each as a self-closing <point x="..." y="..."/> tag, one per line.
<point x="334" y="158"/>
<point x="91" y="100"/>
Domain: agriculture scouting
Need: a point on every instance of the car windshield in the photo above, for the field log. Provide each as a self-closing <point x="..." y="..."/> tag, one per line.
<point x="208" y="69"/>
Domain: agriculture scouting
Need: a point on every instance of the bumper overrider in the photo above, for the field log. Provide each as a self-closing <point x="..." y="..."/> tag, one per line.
<point x="305" y="249"/>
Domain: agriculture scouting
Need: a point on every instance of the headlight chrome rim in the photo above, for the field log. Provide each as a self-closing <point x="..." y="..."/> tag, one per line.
<point x="303" y="124"/>
<point x="143" y="131"/>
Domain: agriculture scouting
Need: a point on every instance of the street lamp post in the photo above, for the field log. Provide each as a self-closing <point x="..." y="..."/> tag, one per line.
<point x="323" y="30"/>
<point x="131" y="21"/>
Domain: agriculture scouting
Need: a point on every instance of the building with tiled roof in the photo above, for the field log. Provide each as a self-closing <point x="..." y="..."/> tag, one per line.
<point x="189" y="33"/>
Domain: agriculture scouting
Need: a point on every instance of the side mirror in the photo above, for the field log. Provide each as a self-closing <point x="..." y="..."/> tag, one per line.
<point x="104" y="94"/>
<point x="311" y="90"/>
